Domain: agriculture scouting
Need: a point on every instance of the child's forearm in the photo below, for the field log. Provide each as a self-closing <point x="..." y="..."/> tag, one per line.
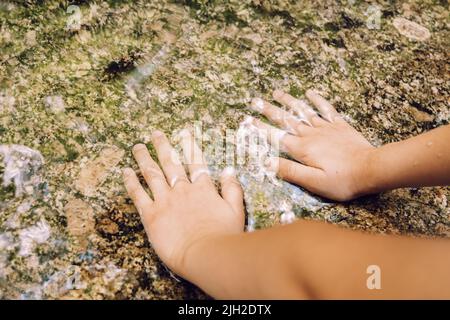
<point x="423" y="160"/>
<point x="247" y="265"/>
<point x="316" y="260"/>
<point x="313" y="260"/>
<point x="256" y="265"/>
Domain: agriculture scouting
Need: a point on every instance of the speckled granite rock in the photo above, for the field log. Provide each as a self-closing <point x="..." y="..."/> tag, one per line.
<point x="82" y="81"/>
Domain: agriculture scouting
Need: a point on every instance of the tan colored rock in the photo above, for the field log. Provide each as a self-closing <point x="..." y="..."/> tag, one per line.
<point x="124" y="207"/>
<point x="156" y="26"/>
<point x="254" y="38"/>
<point x="420" y="116"/>
<point x="80" y="220"/>
<point x="83" y="36"/>
<point x="58" y="148"/>
<point x="231" y="31"/>
<point x="208" y="34"/>
<point x="30" y="38"/>
<point x="167" y="37"/>
<point x="96" y="171"/>
<point x="410" y="29"/>
<point x="108" y="226"/>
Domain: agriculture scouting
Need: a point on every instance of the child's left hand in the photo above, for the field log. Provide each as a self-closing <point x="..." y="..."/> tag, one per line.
<point x="332" y="158"/>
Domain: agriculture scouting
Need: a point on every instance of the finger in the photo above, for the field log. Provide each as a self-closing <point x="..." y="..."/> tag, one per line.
<point x="300" y="107"/>
<point x="150" y="170"/>
<point x="297" y="173"/>
<point x="277" y="137"/>
<point x="304" y="130"/>
<point x="327" y="111"/>
<point x="317" y="121"/>
<point x="198" y="169"/>
<point x="172" y="167"/>
<point x="136" y="192"/>
<point x="231" y="190"/>
<point x="284" y="119"/>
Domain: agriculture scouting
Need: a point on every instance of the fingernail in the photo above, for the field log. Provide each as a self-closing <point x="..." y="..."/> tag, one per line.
<point x="310" y="92"/>
<point x="270" y="164"/>
<point x="278" y="134"/>
<point x="157" y="134"/>
<point x="228" y="172"/>
<point x="277" y="94"/>
<point x="257" y="105"/>
<point x="248" y="120"/>
<point x="329" y="118"/>
<point x="306" y="122"/>
<point x="196" y="174"/>
<point x="184" y="133"/>
<point x="138" y="147"/>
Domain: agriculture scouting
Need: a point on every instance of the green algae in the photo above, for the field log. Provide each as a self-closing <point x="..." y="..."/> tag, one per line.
<point x="219" y="55"/>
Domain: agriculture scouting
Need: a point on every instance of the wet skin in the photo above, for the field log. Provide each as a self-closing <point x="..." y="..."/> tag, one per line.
<point x="200" y="235"/>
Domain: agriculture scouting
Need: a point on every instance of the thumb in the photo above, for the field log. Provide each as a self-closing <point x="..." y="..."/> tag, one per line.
<point x="297" y="173"/>
<point x="231" y="190"/>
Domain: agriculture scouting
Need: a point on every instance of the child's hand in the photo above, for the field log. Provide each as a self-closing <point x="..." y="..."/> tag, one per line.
<point x="332" y="156"/>
<point x="183" y="210"/>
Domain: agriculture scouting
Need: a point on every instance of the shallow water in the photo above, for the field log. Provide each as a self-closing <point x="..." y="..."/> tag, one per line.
<point x="80" y="85"/>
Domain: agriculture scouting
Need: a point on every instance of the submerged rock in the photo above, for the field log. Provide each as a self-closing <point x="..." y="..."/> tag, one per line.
<point x="83" y="92"/>
<point x="55" y="104"/>
<point x="80" y="220"/>
<point x="411" y="29"/>
<point x="32" y="236"/>
<point x="95" y="171"/>
<point x="22" y="165"/>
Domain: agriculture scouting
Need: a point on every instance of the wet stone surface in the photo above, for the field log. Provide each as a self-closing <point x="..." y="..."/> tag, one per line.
<point x="80" y="85"/>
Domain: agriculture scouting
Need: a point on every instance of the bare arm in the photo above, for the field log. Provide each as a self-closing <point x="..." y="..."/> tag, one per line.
<point x="313" y="260"/>
<point x="419" y="161"/>
<point x="199" y="235"/>
<point x="333" y="160"/>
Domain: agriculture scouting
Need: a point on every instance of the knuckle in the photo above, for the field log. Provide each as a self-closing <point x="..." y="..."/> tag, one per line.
<point x="140" y="152"/>
<point x="226" y="180"/>
<point x="291" y="169"/>
<point x="203" y="180"/>
<point x="181" y="184"/>
<point x="339" y="120"/>
<point x="314" y="119"/>
<point x="139" y="149"/>
<point x="204" y="188"/>
<point x="152" y="173"/>
<point x="233" y="185"/>
<point x="273" y="111"/>
<point x="158" y="140"/>
<point x="132" y="189"/>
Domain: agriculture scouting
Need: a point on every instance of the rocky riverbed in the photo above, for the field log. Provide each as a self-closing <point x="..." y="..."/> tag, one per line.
<point x="82" y="81"/>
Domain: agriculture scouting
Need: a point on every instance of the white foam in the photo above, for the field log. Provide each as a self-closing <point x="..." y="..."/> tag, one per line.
<point x="257" y="105"/>
<point x="33" y="235"/>
<point x="287" y="217"/>
<point x="21" y="167"/>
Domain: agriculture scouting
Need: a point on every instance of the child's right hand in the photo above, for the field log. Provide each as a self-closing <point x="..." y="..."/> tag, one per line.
<point x="184" y="211"/>
<point x="333" y="157"/>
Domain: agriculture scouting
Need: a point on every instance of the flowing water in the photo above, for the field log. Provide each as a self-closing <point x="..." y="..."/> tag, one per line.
<point x="81" y="82"/>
